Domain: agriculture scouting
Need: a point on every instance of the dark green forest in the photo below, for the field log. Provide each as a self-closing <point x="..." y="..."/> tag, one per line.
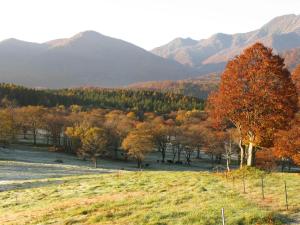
<point x="128" y="100"/>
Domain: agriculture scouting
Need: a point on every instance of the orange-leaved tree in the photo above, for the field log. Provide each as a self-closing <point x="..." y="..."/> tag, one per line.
<point x="287" y="143"/>
<point x="257" y="96"/>
<point x="139" y="142"/>
<point x="296" y="80"/>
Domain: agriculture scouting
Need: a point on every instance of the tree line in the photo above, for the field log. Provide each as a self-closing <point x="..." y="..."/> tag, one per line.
<point x="104" y="133"/>
<point x="127" y="100"/>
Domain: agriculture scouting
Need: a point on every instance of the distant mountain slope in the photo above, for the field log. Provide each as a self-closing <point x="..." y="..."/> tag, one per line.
<point x="88" y="58"/>
<point x="199" y="87"/>
<point x="292" y="58"/>
<point x="210" y="55"/>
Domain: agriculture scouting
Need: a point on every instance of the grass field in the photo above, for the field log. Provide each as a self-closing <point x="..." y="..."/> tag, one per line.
<point x="142" y="198"/>
<point x="35" y="189"/>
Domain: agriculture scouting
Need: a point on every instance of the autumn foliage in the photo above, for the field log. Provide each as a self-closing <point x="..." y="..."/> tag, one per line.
<point x="296" y="79"/>
<point x="257" y="96"/>
<point x="287" y="144"/>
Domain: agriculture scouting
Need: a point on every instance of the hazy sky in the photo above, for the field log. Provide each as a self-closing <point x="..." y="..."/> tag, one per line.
<point x="147" y="23"/>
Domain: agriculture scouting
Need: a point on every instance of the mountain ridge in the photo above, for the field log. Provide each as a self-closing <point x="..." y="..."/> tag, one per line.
<point x="281" y="33"/>
<point x="87" y="58"/>
<point x="90" y="58"/>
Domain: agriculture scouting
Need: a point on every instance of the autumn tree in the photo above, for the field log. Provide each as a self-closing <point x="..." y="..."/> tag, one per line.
<point x="161" y="138"/>
<point x="21" y="121"/>
<point x="214" y="144"/>
<point x="119" y="124"/>
<point x="138" y="143"/>
<point x="94" y="143"/>
<point x="54" y="123"/>
<point x="198" y="137"/>
<point x="257" y="96"/>
<point x="32" y="117"/>
<point x="230" y="145"/>
<point x="296" y="78"/>
<point x="186" y="142"/>
<point x="287" y="143"/>
<point x="7" y="126"/>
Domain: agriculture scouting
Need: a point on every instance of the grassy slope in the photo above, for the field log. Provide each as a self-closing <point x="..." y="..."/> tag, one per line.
<point x="133" y="198"/>
<point x="274" y="190"/>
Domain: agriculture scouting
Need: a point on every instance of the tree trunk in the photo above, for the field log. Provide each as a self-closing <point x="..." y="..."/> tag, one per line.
<point x="95" y="162"/>
<point x="250" y="159"/>
<point x="34" y="137"/>
<point x="228" y="155"/>
<point x="59" y="141"/>
<point x="242" y="154"/>
<point x="282" y="165"/>
<point x="163" y="154"/>
<point x="139" y="163"/>
<point x="174" y="153"/>
<point x="24" y="133"/>
<point x="116" y="153"/>
<point x="178" y="154"/>
<point x="290" y="165"/>
<point x="198" y="153"/>
<point x="228" y="164"/>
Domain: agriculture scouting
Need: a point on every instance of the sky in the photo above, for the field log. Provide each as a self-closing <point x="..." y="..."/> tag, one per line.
<point x="146" y="23"/>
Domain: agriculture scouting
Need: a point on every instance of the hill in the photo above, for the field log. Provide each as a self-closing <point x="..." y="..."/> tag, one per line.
<point x="210" y="55"/>
<point x="86" y="59"/>
<point x="199" y="87"/>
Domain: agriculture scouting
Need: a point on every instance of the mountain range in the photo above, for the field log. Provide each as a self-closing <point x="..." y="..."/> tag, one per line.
<point x="92" y="59"/>
<point x="210" y="55"/>
<point x="86" y="59"/>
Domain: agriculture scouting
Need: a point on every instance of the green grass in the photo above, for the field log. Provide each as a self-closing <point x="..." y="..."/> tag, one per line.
<point x="273" y="187"/>
<point x="137" y="198"/>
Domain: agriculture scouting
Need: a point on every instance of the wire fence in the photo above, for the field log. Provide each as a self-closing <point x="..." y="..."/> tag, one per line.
<point x="274" y="191"/>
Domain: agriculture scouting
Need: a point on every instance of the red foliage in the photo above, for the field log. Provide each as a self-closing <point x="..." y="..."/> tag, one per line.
<point x="256" y="94"/>
<point x="287" y="143"/>
<point x="296" y="79"/>
<point x="265" y="160"/>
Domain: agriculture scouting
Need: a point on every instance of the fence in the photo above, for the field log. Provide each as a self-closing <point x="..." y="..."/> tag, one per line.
<point x="277" y="191"/>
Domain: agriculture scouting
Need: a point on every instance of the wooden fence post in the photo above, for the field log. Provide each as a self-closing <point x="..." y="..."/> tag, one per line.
<point x="223" y="217"/>
<point x="286" y="196"/>
<point x="262" y="187"/>
<point x="244" y="184"/>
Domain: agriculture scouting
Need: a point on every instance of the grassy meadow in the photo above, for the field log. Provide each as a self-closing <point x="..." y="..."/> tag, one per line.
<point x="149" y="198"/>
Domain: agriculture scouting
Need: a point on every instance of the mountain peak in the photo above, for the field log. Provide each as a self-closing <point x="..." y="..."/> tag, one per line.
<point x="175" y="44"/>
<point x="283" y="24"/>
<point x="16" y="43"/>
<point x="182" y="42"/>
<point x="12" y="41"/>
<point x="87" y="34"/>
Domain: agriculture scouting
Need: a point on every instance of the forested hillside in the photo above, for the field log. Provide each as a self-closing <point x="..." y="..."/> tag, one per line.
<point x="133" y="100"/>
<point x="199" y="87"/>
